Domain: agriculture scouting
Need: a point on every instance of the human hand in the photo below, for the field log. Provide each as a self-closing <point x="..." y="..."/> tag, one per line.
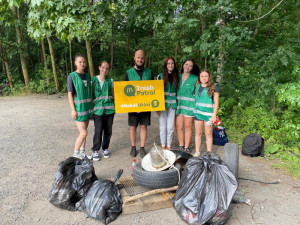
<point x="213" y="119"/>
<point x="74" y="115"/>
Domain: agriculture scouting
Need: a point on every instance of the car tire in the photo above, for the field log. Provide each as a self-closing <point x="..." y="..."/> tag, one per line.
<point x="157" y="179"/>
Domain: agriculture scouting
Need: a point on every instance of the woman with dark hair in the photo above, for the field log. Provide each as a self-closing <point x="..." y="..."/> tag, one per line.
<point x="207" y="104"/>
<point x="79" y="95"/>
<point x="186" y="103"/>
<point x="104" y="111"/>
<point x="167" y="117"/>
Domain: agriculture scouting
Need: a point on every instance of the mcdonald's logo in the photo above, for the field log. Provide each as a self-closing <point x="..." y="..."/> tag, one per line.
<point x="155" y="103"/>
<point x="129" y="90"/>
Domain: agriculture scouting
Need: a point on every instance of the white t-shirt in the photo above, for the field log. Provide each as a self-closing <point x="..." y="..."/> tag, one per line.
<point x="102" y="82"/>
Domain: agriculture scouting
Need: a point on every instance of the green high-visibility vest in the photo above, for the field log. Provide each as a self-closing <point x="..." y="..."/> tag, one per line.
<point x="204" y="107"/>
<point x="83" y="102"/>
<point x="185" y="97"/>
<point x="170" y="94"/>
<point x="133" y="76"/>
<point x="102" y="97"/>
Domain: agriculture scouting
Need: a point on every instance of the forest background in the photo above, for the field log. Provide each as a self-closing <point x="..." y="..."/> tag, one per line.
<point x="251" y="46"/>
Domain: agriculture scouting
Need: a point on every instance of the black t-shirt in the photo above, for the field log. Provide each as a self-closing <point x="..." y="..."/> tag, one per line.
<point x="139" y="72"/>
<point x="170" y="77"/>
<point x="71" y="86"/>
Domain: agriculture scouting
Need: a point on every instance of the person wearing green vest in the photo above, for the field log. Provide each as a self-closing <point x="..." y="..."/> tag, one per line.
<point x="167" y="117"/>
<point x="138" y="72"/>
<point x="79" y="95"/>
<point x="104" y="111"/>
<point x="206" y="108"/>
<point x="186" y="103"/>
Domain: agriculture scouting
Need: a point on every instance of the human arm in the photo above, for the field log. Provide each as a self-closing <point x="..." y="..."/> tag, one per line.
<point x="71" y="102"/>
<point x="216" y="106"/>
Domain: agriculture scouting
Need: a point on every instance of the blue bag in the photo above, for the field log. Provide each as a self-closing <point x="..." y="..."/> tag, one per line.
<point x="219" y="136"/>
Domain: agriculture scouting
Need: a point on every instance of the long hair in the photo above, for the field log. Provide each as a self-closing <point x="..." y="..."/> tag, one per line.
<point x="174" y="73"/>
<point x="195" y="70"/>
<point x="210" y="84"/>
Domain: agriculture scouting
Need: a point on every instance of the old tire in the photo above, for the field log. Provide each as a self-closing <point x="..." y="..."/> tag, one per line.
<point x="157" y="179"/>
<point x="231" y="158"/>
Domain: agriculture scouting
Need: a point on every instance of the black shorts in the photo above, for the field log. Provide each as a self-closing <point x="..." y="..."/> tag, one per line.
<point x="142" y="118"/>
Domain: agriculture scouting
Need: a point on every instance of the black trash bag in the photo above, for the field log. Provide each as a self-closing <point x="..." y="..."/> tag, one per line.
<point x="72" y="182"/>
<point x="253" y="145"/>
<point x="205" y="191"/>
<point x="219" y="136"/>
<point x="103" y="201"/>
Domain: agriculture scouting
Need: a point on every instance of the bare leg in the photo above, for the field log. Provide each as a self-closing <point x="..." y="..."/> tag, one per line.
<point x="143" y="135"/>
<point x="83" y="132"/>
<point x="209" y="137"/>
<point x="188" y="124"/>
<point x="132" y="134"/>
<point x="179" y="129"/>
<point x="198" y="134"/>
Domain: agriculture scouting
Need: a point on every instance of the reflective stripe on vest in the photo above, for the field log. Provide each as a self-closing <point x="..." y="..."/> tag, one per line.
<point x="204" y="104"/>
<point x="170" y="101"/>
<point x="203" y="113"/>
<point x="104" y="107"/>
<point x="170" y="94"/>
<point x="82" y="101"/>
<point x="103" y="98"/>
<point x="186" y="99"/>
<point x="186" y="108"/>
<point x="84" y="113"/>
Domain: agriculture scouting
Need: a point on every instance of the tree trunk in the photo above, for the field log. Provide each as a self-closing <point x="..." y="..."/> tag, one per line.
<point x="45" y="62"/>
<point x="70" y="54"/>
<point x="90" y="59"/>
<point x="53" y="63"/>
<point x="20" y="46"/>
<point x="112" y="45"/>
<point x="9" y="76"/>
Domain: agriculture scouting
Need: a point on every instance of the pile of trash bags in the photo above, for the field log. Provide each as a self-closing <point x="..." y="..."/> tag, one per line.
<point x="76" y="187"/>
<point x="205" y="191"/>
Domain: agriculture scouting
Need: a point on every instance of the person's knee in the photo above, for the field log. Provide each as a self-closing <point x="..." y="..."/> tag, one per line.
<point x="84" y="133"/>
<point x="143" y="127"/>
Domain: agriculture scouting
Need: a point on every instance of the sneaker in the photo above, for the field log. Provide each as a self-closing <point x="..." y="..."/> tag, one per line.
<point x="77" y="155"/>
<point x="187" y="150"/>
<point x="181" y="148"/>
<point x="133" y="152"/>
<point x="197" y="154"/>
<point x="82" y="154"/>
<point x="106" y="153"/>
<point x="96" y="156"/>
<point x="142" y="152"/>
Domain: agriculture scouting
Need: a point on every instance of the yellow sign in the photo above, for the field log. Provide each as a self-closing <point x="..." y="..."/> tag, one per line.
<point x="139" y="96"/>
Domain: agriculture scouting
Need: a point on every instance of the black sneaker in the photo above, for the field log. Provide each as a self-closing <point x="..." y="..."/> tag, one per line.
<point x="142" y="152"/>
<point x="187" y="150"/>
<point x="133" y="152"/>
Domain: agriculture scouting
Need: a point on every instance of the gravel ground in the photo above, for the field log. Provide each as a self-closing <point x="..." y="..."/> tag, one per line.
<point x="37" y="133"/>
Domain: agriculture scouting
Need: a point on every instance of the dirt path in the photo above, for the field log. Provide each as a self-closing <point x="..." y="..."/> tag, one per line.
<point x="37" y="133"/>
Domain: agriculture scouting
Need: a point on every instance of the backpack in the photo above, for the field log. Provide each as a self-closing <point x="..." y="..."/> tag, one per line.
<point x="219" y="136"/>
<point x="253" y="145"/>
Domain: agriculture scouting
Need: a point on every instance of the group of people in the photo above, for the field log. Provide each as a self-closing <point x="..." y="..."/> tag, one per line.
<point x="189" y="96"/>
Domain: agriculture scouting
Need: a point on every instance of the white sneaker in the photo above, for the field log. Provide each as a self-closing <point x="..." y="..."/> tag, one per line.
<point x="197" y="154"/>
<point x="82" y="154"/>
<point x="106" y="153"/>
<point x="77" y="155"/>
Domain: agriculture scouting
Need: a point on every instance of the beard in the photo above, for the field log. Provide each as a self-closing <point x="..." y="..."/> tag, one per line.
<point x="139" y="67"/>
